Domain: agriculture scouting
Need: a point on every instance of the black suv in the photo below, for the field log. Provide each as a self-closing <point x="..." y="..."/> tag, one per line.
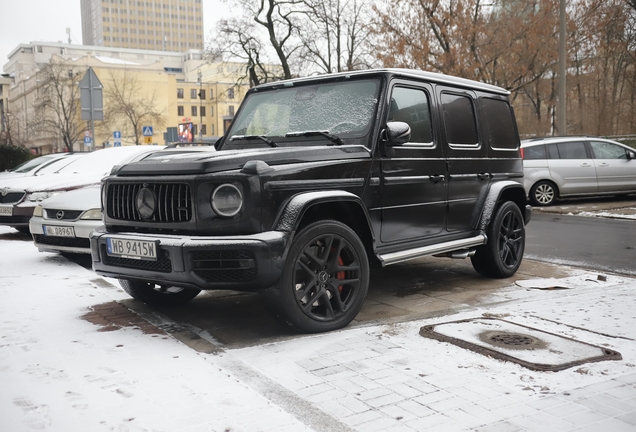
<point x="315" y="180"/>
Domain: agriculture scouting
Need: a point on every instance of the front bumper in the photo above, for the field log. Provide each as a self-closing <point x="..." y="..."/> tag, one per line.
<point x="243" y="263"/>
<point x="78" y="244"/>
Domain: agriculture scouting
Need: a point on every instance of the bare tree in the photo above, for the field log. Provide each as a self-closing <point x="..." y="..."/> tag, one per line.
<point x="128" y="107"/>
<point x="57" y="109"/>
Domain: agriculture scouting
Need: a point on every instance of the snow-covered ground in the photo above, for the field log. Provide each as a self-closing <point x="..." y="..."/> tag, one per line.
<point x="60" y="372"/>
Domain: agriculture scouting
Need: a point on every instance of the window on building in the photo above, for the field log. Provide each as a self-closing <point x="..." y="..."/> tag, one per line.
<point x="202" y="111"/>
<point x="202" y="94"/>
<point x="194" y="111"/>
<point x="231" y="110"/>
<point x="211" y="110"/>
<point x="204" y="129"/>
<point x="195" y="132"/>
<point x="212" y="129"/>
<point x="180" y="111"/>
<point x="193" y="93"/>
<point x="230" y="93"/>
<point x="179" y="93"/>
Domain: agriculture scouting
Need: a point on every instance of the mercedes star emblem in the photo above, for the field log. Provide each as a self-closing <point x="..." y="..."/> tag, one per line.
<point x="146" y="203"/>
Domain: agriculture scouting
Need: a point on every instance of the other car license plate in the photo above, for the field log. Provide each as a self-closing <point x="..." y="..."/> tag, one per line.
<point x="6" y="210"/>
<point x="59" y="231"/>
<point x="135" y="249"/>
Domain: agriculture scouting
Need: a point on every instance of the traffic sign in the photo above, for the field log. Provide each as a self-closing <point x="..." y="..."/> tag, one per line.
<point x="147" y="131"/>
<point x="147" y="140"/>
<point x="117" y="144"/>
<point x="117" y="135"/>
<point x="87" y="133"/>
<point x="87" y="140"/>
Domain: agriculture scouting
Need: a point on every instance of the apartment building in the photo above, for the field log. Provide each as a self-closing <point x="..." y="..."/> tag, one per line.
<point x="186" y="90"/>
<point x="163" y="25"/>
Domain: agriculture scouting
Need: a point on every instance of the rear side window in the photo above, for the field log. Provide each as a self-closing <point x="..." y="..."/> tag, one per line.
<point x="572" y="150"/>
<point x="535" y="152"/>
<point x="459" y="120"/>
<point x="500" y="124"/>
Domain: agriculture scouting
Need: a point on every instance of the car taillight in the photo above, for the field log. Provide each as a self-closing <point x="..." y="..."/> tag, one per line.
<point x="522" y="154"/>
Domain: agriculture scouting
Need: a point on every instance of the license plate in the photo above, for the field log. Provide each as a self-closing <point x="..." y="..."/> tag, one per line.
<point x="135" y="249"/>
<point x="6" y="210"/>
<point x="59" y="231"/>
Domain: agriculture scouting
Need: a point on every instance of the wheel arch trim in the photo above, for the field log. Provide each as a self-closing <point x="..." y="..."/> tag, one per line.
<point x="513" y="191"/>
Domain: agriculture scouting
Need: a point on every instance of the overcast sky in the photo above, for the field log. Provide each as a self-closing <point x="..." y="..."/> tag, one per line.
<point x="25" y="21"/>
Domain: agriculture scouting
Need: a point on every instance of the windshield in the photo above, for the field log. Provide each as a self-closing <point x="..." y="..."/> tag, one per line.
<point x="100" y="162"/>
<point x="58" y="164"/>
<point x="344" y="110"/>
<point x="33" y="163"/>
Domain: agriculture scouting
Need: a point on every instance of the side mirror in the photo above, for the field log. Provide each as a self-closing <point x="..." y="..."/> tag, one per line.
<point x="397" y="133"/>
<point x="631" y="155"/>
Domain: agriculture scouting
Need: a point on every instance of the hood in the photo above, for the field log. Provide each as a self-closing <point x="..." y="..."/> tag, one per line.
<point x="51" y="182"/>
<point x="80" y="199"/>
<point x="226" y="160"/>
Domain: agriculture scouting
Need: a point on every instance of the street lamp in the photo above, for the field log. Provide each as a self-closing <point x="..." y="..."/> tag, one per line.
<point x="200" y="105"/>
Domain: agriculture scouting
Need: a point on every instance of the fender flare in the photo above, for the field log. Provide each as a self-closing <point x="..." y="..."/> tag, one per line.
<point x="293" y="211"/>
<point x="494" y="195"/>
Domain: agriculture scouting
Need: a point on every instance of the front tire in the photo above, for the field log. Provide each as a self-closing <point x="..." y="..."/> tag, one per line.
<point x="158" y="295"/>
<point x="543" y="193"/>
<point x="502" y="255"/>
<point x="324" y="281"/>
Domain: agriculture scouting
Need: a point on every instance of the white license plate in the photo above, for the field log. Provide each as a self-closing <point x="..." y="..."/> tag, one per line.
<point x="135" y="249"/>
<point x="6" y="210"/>
<point x="59" y="231"/>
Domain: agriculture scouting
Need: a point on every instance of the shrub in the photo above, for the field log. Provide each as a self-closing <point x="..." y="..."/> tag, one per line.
<point x="12" y="156"/>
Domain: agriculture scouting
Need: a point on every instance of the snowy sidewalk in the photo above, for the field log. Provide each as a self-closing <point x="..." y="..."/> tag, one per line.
<point x="60" y="372"/>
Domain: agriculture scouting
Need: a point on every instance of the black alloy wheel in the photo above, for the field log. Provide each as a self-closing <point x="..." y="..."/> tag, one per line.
<point x="325" y="279"/>
<point x="502" y="255"/>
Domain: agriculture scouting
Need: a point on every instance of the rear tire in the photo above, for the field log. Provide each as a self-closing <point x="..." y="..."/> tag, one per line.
<point x="158" y="295"/>
<point x="543" y="193"/>
<point x="324" y="281"/>
<point x="502" y="255"/>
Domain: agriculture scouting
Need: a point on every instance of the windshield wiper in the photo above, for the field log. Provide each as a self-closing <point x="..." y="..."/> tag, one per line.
<point x="333" y="138"/>
<point x="253" y="137"/>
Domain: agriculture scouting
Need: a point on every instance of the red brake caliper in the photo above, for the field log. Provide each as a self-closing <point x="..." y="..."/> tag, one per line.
<point x="341" y="274"/>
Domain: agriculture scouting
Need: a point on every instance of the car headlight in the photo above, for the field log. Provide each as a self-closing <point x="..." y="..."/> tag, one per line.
<point x="227" y="200"/>
<point x="39" y="196"/>
<point x="92" y="214"/>
<point x="37" y="211"/>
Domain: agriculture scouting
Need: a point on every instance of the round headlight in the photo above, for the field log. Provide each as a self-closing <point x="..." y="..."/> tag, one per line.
<point x="227" y="200"/>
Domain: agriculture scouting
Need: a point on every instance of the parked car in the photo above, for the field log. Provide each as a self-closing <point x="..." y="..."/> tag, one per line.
<point x="561" y="167"/>
<point x="63" y="223"/>
<point x="20" y="196"/>
<point x="316" y="179"/>
<point x="36" y="165"/>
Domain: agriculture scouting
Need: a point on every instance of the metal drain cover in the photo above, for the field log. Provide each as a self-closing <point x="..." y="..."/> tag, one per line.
<point x="527" y="346"/>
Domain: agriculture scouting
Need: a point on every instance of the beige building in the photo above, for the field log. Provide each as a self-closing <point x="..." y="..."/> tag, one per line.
<point x="172" y="81"/>
<point x="164" y="25"/>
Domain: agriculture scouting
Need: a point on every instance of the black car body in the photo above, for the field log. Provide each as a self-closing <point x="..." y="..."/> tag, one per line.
<point x="315" y="180"/>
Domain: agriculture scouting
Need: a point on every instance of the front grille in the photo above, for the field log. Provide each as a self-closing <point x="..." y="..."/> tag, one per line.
<point x="12" y="197"/>
<point x="63" y="241"/>
<point x="225" y="265"/>
<point x="173" y="202"/>
<point x="163" y="264"/>
<point x="66" y="214"/>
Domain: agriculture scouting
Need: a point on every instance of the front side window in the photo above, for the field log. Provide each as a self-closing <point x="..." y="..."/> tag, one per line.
<point x="345" y="109"/>
<point x="605" y="150"/>
<point x="411" y="106"/>
<point x="459" y="120"/>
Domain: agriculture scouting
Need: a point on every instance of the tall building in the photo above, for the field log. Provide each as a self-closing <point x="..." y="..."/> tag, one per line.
<point x="164" y="25"/>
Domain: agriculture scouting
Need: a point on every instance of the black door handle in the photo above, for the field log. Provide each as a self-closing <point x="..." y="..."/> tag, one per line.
<point x="483" y="176"/>
<point x="437" y="178"/>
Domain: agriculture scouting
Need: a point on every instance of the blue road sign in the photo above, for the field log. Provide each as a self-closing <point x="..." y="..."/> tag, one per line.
<point x="87" y="140"/>
<point x="147" y="131"/>
<point x="117" y="144"/>
<point x="117" y="135"/>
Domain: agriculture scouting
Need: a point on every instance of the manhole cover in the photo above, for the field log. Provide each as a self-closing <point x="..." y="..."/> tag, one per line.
<point x="527" y="346"/>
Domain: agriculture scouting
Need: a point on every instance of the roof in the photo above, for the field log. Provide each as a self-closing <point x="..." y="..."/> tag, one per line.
<point x="405" y="73"/>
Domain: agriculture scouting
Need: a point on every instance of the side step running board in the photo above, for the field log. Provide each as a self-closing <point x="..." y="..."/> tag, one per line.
<point x="396" y="257"/>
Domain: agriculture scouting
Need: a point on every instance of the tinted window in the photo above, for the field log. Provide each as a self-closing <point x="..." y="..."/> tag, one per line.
<point x="535" y="152"/>
<point x="459" y="120"/>
<point x="572" y="150"/>
<point x="498" y="118"/>
<point x="605" y="150"/>
<point x="411" y="106"/>
<point x="553" y="151"/>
